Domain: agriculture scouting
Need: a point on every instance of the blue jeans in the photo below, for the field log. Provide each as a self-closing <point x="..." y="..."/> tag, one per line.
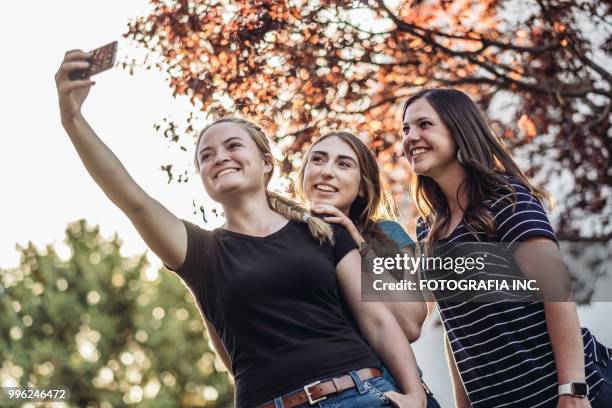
<point x="365" y="394"/>
<point x="604" y="397"/>
<point x="432" y="402"/>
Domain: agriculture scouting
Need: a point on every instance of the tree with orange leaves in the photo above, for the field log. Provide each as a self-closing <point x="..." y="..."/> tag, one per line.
<point x="537" y="67"/>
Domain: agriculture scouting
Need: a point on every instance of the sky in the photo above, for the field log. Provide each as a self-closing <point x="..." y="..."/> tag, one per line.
<point x="44" y="186"/>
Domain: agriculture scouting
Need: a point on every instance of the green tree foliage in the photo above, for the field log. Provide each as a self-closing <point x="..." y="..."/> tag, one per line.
<point x="97" y="325"/>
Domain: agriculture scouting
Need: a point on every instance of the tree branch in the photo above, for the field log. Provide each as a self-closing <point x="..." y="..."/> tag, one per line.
<point x="486" y="42"/>
<point x="376" y="105"/>
<point x="592" y="64"/>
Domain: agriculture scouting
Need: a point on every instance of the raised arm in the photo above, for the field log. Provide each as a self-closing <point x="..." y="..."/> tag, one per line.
<point x="382" y="332"/>
<point x="162" y="231"/>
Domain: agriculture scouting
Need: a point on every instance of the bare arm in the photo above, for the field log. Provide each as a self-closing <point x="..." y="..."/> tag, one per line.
<point x="564" y="331"/>
<point x="381" y="330"/>
<point x="163" y="232"/>
<point x="218" y="345"/>
<point x="410" y="314"/>
<point x="461" y="398"/>
<point x="561" y="317"/>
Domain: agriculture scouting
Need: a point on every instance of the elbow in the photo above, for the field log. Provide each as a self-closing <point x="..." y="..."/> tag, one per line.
<point x="419" y="318"/>
<point x="411" y="329"/>
<point x="132" y="210"/>
<point x="410" y="319"/>
<point x="136" y="208"/>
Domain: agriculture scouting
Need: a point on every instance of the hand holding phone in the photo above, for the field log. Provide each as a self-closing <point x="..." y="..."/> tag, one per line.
<point x="102" y="58"/>
<point x="73" y="79"/>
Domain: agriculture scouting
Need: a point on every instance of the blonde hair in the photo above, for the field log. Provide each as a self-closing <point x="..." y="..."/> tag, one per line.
<point x="319" y="229"/>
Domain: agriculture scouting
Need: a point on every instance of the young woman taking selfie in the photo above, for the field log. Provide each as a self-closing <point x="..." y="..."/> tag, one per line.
<point x="267" y="281"/>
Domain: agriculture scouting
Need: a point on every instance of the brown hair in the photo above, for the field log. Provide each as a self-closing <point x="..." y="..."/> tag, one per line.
<point x="288" y="208"/>
<point x="486" y="159"/>
<point x="375" y="205"/>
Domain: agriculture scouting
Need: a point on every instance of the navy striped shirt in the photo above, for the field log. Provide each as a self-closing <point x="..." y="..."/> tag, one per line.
<point x="502" y="349"/>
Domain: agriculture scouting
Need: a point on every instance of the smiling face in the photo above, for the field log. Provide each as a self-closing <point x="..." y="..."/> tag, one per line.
<point x="332" y="174"/>
<point x="428" y="144"/>
<point x="231" y="162"/>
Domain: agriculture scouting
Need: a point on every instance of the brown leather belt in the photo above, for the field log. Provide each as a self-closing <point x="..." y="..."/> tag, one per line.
<point x="318" y="391"/>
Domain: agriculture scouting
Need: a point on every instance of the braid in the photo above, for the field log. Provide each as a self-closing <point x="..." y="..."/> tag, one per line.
<point x="288" y="208"/>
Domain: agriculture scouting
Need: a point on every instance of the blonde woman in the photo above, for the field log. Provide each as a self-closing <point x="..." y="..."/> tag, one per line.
<point x="266" y="280"/>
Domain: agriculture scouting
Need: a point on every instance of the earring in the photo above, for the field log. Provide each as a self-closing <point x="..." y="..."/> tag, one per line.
<point x="460" y="157"/>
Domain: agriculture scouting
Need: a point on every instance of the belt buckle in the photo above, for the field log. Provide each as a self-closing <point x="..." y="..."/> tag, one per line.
<point x="307" y="391"/>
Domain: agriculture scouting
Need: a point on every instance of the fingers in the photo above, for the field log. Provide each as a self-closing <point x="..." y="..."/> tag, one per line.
<point x="325" y="209"/>
<point x="390" y="395"/>
<point x="67" y="67"/>
<point x="336" y="220"/>
<point x="76" y="55"/>
<point x="321" y="211"/>
<point x="331" y="214"/>
<point x="73" y="60"/>
<point x="76" y="84"/>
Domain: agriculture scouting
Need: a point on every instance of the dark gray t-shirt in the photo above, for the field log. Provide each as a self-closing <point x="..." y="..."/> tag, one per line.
<point x="276" y="305"/>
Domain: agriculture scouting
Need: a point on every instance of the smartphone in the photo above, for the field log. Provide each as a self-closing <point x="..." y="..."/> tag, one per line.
<point x="103" y="58"/>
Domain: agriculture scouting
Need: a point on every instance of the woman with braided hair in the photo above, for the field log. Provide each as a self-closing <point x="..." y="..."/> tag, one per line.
<point x="267" y="281"/>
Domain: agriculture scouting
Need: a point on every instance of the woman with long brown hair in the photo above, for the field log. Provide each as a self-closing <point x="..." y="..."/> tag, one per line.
<point x="342" y="182"/>
<point x="467" y="188"/>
